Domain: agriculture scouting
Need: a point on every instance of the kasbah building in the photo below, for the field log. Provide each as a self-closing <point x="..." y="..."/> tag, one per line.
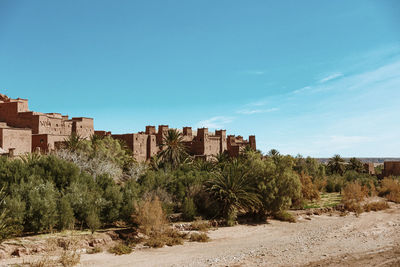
<point x="23" y="131"/>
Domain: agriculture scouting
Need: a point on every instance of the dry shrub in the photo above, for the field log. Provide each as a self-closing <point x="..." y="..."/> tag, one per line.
<point x="169" y="237"/>
<point x="152" y="222"/>
<point x="353" y="194"/>
<point x="150" y="217"/>
<point x="308" y="190"/>
<point x="202" y="226"/>
<point x="95" y="250"/>
<point x="199" y="237"/>
<point x="390" y="189"/>
<point x="375" y="206"/>
<point x="285" y="216"/>
<point x="69" y="258"/>
<point x="43" y="262"/>
<point x="120" y="249"/>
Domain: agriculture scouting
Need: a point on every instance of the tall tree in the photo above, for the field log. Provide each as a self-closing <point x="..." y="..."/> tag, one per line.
<point x="234" y="190"/>
<point x="173" y="149"/>
<point x="355" y="165"/>
<point x="336" y="164"/>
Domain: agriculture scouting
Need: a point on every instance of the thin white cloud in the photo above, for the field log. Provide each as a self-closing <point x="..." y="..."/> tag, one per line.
<point x="215" y="122"/>
<point x="255" y="111"/>
<point x="331" y="77"/>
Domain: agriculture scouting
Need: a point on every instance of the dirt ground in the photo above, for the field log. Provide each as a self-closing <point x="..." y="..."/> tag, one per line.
<point x="372" y="239"/>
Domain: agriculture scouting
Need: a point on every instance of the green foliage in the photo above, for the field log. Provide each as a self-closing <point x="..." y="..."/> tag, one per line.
<point x="41" y="212"/>
<point x="93" y="221"/>
<point x="355" y="165"/>
<point x="173" y="150"/>
<point x="234" y="189"/>
<point x="66" y="219"/>
<point x="285" y="216"/>
<point x="336" y="165"/>
<point x="120" y="249"/>
<point x="188" y="209"/>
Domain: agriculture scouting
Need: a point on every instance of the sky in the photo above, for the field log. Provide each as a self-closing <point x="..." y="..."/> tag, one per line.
<point x="314" y="78"/>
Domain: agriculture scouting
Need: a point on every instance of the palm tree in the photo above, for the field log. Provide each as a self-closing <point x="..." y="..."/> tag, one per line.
<point x="355" y="165"/>
<point x="336" y="164"/>
<point x="73" y="142"/>
<point x="173" y="149"/>
<point x="234" y="190"/>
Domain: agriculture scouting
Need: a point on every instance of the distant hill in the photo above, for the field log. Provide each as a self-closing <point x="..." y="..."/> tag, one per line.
<point x="365" y="160"/>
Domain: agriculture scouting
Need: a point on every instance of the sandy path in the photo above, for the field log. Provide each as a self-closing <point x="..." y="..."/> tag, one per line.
<point x="320" y="241"/>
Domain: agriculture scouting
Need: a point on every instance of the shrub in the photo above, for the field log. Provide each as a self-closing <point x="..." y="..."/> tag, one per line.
<point x="150" y="217"/>
<point x="95" y="250"/>
<point x="376" y="206"/>
<point x="188" y="209"/>
<point x="66" y="217"/>
<point x="390" y="189"/>
<point x="199" y="237"/>
<point x="120" y="249"/>
<point x="202" y="226"/>
<point x="353" y="194"/>
<point x="93" y="221"/>
<point x="69" y="258"/>
<point x="308" y="190"/>
<point x="285" y="216"/>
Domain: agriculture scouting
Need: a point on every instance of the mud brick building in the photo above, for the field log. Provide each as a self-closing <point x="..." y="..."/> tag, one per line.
<point x="22" y="131"/>
<point x="201" y="143"/>
<point x="391" y="168"/>
<point x="25" y="131"/>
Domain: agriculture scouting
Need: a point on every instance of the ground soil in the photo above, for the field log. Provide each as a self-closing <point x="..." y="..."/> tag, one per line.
<point x="372" y="239"/>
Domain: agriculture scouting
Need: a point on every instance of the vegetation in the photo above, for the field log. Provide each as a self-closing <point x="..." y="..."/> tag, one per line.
<point x="95" y="183"/>
<point x="120" y="249"/>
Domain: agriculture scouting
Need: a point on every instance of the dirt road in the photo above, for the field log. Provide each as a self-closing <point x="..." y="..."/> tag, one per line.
<point x="371" y="239"/>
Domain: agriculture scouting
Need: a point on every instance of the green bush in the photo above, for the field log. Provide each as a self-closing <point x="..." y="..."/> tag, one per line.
<point x="188" y="209"/>
<point x="120" y="249"/>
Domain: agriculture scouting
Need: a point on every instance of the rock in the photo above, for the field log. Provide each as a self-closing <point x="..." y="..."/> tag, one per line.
<point x="19" y="252"/>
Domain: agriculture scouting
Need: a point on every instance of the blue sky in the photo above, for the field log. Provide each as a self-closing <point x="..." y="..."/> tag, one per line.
<point x="309" y="77"/>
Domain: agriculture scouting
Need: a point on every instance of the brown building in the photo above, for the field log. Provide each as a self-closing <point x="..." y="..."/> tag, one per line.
<point x="369" y="168"/>
<point x="45" y="129"/>
<point x="201" y="143"/>
<point x="22" y="131"/>
<point x="391" y="168"/>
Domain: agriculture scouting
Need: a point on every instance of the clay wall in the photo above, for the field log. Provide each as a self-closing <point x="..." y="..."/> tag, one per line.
<point x="83" y="127"/>
<point x="369" y="168"/>
<point x="138" y="144"/>
<point x="18" y="139"/>
<point x="391" y="168"/>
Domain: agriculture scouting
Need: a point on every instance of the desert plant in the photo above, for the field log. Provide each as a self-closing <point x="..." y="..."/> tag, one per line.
<point x="336" y="164"/>
<point x="188" y="209"/>
<point x="95" y="250"/>
<point x="234" y="190"/>
<point x="69" y="258"/>
<point x="390" y="189"/>
<point x="173" y="149"/>
<point x="285" y="216"/>
<point x="198" y="225"/>
<point x="120" y="249"/>
<point x="199" y="237"/>
<point x="376" y="206"/>
<point x="353" y="194"/>
<point x="150" y="217"/>
<point x="308" y="190"/>
<point x="93" y="221"/>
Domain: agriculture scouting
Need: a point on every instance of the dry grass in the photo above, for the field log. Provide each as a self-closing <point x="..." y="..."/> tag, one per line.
<point x="150" y="217"/>
<point x="376" y="206"/>
<point x="95" y="250"/>
<point x="120" y="249"/>
<point x="169" y="237"/>
<point x="309" y="191"/>
<point x="202" y="226"/>
<point x="353" y="195"/>
<point x="390" y="189"/>
<point x="199" y="237"/>
<point x="285" y="216"/>
<point x="69" y="258"/>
